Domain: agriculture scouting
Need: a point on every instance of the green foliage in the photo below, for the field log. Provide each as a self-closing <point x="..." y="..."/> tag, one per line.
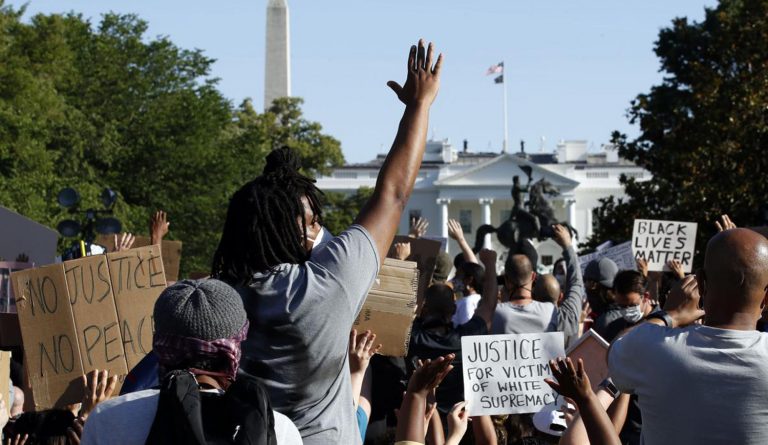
<point x="93" y="106"/>
<point x="340" y="210"/>
<point x="703" y="130"/>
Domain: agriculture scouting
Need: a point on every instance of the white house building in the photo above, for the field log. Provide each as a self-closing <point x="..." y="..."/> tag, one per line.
<point x="475" y="188"/>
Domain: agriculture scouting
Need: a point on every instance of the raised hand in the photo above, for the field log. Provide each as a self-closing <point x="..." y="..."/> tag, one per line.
<point x="99" y="387"/>
<point x="158" y="226"/>
<point x="458" y="419"/>
<point x="124" y="242"/>
<point x="361" y="349"/>
<point x="423" y="79"/>
<point x="724" y="223"/>
<point x="572" y="381"/>
<point x="429" y="374"/>
<point x="642" y="266"/>
<point x="488" y="258"/>
<point x="561" y="235"/>
<point x="402" y="251"/>
<point x="683" y="302"/>
<point x="418" y="227"/>
<point x="454" y="230"/>
<point x="676" y="268"/>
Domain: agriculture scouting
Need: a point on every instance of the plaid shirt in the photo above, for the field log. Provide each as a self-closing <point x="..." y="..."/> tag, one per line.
<point x="174" y="349"/>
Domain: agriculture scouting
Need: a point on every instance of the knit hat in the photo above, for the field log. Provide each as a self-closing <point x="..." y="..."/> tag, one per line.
<point x="603" y="271"/>
<point x="443" y="266"/>
<point x="203" y="309"/>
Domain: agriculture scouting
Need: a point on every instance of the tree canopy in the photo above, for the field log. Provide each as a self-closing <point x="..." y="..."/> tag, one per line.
<point x="94" y="105"/>
<point x="703" y="130"/>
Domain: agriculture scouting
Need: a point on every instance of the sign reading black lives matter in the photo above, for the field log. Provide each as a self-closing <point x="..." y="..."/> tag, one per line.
<point x="504" y="374"/>
<point x="661" y="241"/>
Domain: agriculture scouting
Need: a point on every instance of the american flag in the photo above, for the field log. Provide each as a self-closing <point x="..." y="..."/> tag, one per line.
<point x="495" y="69"/>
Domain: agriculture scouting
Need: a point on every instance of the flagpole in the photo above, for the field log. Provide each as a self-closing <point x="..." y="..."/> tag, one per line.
<point x="506" y="120"/>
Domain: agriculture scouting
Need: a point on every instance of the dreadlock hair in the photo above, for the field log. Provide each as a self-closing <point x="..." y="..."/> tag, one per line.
<point x="265" y="223"/>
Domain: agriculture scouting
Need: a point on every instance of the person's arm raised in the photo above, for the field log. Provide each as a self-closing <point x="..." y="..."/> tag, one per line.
<point x="487" y="306"/>
<point x="382" y="212"/>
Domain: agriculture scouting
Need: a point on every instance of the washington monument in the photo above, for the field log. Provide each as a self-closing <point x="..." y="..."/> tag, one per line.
<point x="277" y="79"/>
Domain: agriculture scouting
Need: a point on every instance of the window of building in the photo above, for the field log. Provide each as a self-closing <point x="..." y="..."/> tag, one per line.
<point x="345" y="175"/>
<point x="547" y="260"/>
<point x="465" y="219"/>
<point x="636" y="175"/>
<point x="596" y="175"/>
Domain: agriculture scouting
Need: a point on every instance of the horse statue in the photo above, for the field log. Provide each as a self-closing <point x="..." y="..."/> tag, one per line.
<point x="535" y="222"/>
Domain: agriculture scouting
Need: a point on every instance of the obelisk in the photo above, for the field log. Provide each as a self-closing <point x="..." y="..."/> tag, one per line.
<point x="277" y="79"/>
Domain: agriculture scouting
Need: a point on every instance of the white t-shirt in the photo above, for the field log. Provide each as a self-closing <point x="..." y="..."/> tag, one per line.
<point x="530" y="318"/>
<point x="695" y="385"/>
<point x="465" y="309"/>
<point x="126" y="420"/>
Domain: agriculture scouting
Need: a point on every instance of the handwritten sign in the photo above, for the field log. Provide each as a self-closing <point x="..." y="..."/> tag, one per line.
<point x="504" y="374"/>
<point x="621" y="254"/>
<point x="390" y="306"/>
<point x="424" y="252"/>
<point x="171" y="251"/>
<point x="661" y="241"/>
<point x="90" y="313"/>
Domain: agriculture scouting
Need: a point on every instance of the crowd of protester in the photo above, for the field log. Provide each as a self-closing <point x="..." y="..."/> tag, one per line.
<point x="264" y="351"/>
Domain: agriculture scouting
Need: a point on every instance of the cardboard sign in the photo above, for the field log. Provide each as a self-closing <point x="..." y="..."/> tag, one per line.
<point x="621" y="254"/>
<point x="661" y="241"/>
<point x="51" y="349"/>
<point x="424" y="252"/>
<point x="593" y="350"/>
<point x="171" y="252"/>
<point x="390" y="307"/>
<point x="137" y="278"/>
<point x="7" y="300"/>
<point x="90" y="313"/>
<point x="5" y="377"/>
<point x="21" y="235"/>
<point x="504" y="374"/>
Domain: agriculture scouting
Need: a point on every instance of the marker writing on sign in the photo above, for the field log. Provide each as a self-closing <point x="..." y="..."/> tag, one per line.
<point x="43" y="295"/>
<point x="505" y="350"/>
<point x="83" y="281"/>
<point x="59" y="354"/>
<point x="134" y="272"/>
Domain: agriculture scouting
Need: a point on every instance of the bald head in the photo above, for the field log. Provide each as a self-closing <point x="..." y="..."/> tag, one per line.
<point x="736" y="271"/>
<point x="518" y="270"/>
<point x="547" y="289"/>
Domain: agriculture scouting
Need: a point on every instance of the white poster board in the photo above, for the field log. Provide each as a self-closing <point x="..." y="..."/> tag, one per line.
<point x="504" y="374"/>
<point x="661" y="241"/>
<point x="621" y="254"/>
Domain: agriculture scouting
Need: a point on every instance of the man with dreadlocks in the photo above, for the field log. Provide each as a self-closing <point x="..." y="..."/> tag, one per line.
<point x="301" y="306"/>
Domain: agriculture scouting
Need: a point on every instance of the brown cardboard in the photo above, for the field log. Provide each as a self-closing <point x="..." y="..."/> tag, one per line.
<point x="171" y="251"/>
<point x="5" y="377"/>
<point x="51" y="349"/>
<point x="424" y="252"/>
<point x="389" y="309"/>
<point x="593" y="350"/>
<point x="138" y="278"/>
<point x="93" y="307"/>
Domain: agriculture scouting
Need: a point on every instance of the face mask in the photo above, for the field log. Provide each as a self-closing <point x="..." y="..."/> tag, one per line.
<point x="317" y="240"/>
<point x="632" y="314"/>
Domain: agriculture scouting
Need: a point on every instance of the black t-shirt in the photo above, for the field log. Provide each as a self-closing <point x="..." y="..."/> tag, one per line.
<point x="430" y="340"/>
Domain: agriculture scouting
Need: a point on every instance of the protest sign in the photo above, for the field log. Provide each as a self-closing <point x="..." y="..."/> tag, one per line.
<point x="22" y="236"/>
<point x="621" y="254"/>
<point x="137" y="278"/>
<point x="424" y="252"/>
<point x="390" y="306"/>
<point x="593" y="350"/>
<point x="661" y="241"/>
<point x="504" y="374"/>
<point x="89" y="313"/>
<point x="5" y="377"/>
<point x="51" y="349"/>
<point x="171" y="252"/>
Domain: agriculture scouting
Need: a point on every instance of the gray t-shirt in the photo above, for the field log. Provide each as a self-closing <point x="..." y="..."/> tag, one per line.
<point x="300" y="318"/>
<point x="127" y="420"/>
<point x="696" y="385"/>
<point x="530" y="318"/>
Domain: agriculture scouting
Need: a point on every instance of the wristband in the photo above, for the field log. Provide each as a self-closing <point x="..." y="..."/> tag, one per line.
<point x="608" y="385"/>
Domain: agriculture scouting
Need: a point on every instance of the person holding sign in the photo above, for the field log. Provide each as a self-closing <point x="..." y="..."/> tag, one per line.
<point x="704" y="383"/>
<point x="302" y="306"/>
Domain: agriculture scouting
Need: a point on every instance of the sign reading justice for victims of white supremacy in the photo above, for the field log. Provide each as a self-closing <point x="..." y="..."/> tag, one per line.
<point x="504" y="374"/>
<point x="661" y="241"/>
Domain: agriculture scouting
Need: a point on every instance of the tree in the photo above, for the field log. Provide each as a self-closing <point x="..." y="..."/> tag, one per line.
<point x="93" y="106"/>
<point x="340" y="210"/>
<point x="703" y="130"/>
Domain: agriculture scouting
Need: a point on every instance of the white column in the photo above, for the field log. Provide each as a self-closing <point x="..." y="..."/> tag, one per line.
<point x="443" y="203"/>
<point x="571" y="204"/>
<point x="486" y="204"/>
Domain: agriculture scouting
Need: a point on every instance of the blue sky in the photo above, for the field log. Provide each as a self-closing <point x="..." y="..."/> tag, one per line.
<point x="572" y="66"/>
